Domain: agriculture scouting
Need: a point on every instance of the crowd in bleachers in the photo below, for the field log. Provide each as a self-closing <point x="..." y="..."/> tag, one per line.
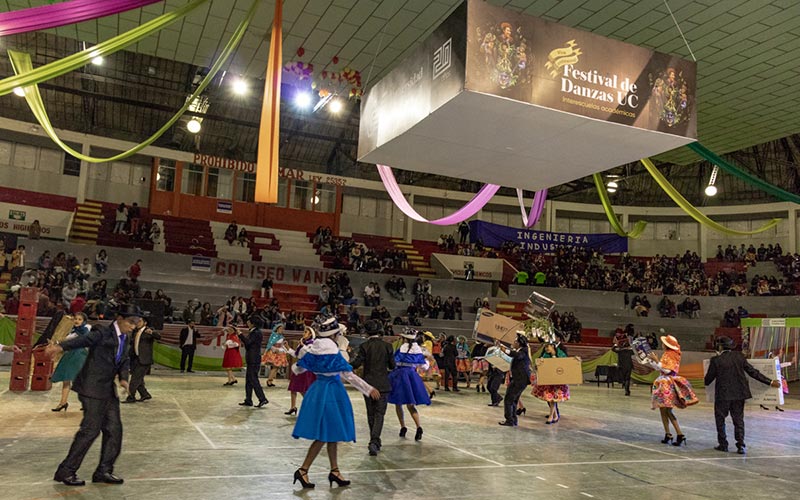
<point x="129" y="220"/>
<point x="236" y="234"/>
<point x="751" y="254"/>
<point x="347" y="253"/>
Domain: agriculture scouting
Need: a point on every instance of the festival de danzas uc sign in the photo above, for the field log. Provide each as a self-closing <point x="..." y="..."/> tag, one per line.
<point x="250" y="168"/>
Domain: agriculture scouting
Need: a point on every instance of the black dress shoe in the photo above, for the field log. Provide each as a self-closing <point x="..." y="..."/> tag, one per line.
<point x="720" y="447"/>
<point x="262" y="403"/>
<point x="129" y="400"/>
<point x="373" y="449"/>
<point x="246" y="403"/>
<point x="507" y="423"/>
<point x="106" y="477"/>
<point x="145" y="398"/>
<point x="189" y="371"/>
<point x="741" y="450"/>
<point x="71" y="480"/>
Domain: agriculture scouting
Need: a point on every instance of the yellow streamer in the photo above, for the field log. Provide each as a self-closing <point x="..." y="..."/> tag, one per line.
<point x="638" y="228"/>
<point x="693" y="212"/>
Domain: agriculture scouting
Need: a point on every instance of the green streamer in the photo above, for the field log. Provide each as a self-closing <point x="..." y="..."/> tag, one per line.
<point x="765" y="186"/>
<point x="638" y="228"/>
<point x="77" y="60"/>
<point x="693" y="212"/>
<point x="21" y="63"/>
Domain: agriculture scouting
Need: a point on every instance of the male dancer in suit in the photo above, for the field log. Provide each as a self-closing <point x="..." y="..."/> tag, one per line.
<point x="108" y="360"/>
<point x="188" y="343"/>
<point x="377" y="357"/>
<point x="622" y="346"/>
<point x="141" y="360"/>
<point x="252" y="344"/>
<point x="728" y="368"/>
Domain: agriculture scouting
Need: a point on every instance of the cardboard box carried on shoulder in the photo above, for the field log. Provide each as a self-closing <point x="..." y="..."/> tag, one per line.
<point x="491" y="326"/>
<point x="559" y="371"/>
<point x="498" y="359"/>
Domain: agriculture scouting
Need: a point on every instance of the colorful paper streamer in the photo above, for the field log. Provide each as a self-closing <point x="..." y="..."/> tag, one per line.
<point x="21" y="62"/>
<point x="63" y="13"/>
<point x="693" y="212"/>
<point x="537" y="207"/>
<point x="616" y="225"/>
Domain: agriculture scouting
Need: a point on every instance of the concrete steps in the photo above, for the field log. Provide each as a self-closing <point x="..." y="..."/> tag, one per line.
<point x="86" y="223"/>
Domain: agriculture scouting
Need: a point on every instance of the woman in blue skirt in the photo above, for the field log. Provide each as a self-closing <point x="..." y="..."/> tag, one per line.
<point x="71" y="362"/>
<point x="407" y="386"/>
<point x="326" y="415"/>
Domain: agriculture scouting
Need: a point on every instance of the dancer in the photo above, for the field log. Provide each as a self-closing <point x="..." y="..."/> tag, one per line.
<point x="433" y="369"/>
<point x="141" y="360"/>
<point x="670" y="390"/>
<point x="449" y="354"/>
<point x="407" y="386"/>
<point x="463" y="364"/>
<point x="232" y="359"/>
<point x="378" y="360"/>
<point x="327" y="415"/>
<point x="731" y="390"/>
<point x="480" y="365"/>
<point x="520" y="378"/>
<point x="495" y="380"/>
<point x="300" y="383"/>
<point x="552" y="394"/>
<point x="275" y="353"/>
<point x="252" y="344"/>
<point x="72" y="361"/>
<point x="622" y="346"/>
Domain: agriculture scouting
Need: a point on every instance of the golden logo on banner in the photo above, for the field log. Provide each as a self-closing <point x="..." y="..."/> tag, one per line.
<point x="564" y="56"/>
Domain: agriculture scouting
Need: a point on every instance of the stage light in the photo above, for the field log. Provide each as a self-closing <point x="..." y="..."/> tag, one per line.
<point x="240" y="86"/>
<point x="19" y="91"/>
<point x="193" y="126"/>
<point x="612" y="186"/>
<point x="336" y="106"/>
<point x="711" y="190"/>
<point x="98" y="61"/>
<point x="302" y="100"/>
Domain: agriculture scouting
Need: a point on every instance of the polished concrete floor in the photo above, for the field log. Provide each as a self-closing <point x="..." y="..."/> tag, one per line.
<point x="192" y="441"/>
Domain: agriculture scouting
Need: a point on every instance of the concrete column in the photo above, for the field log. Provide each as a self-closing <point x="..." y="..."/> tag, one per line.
<point x="408" y="232"/>
<point x="792" y="221"/>
<point x="702" y="239"/>
<point x="550" y="215"/>
<point x="625" y="221"/>
<point x="83" y="178"/>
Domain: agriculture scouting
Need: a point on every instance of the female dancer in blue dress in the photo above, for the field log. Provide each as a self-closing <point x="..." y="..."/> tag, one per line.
<point x="326" y="415"/>
<point x="407" y="386"/>
<point x="71" y="362"/>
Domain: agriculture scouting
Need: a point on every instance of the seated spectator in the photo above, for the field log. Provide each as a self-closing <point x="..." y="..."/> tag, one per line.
<point x="68" y="293"/>
<point x="667" y="308"/>
<point x="231" y="232"/>
<point x="189" y="313"/>
<point x="44" y="262"/>
<point x="242" y="238"/>
<point x="448" y="309"/>
<point x="78" y="303"/>
<point x="101" y="262"/>
<point x="742" y="312"/>
<point x="155" y="233"/>
<point x="206" y="315"/>
<point x="135" y="270"/>
<point x="458" y="309"/>
<point x="435" y="307"/>
<point x="730" y="319"/>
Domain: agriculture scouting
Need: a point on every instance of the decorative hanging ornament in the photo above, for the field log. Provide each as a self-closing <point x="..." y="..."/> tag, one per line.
<point x="300" y="51"/>
<point x="335" y="59"/>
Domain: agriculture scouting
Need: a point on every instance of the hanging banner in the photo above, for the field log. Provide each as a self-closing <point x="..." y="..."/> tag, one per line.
<point x="494" y="235"/>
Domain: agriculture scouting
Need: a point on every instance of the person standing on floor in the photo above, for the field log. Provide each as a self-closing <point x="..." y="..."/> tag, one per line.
<point x="108" y="360"/>
<point x="326" y="416"/>
<point x="731" y="390"/>
<point x="252" y="344"/>
<point x="520" y="378"/>
<point x="449" y="355"/>
<point x="299" y="384"/>
<point x="407" y="386"/>
<point x="188" y="343"/>
<point x="495" y="380"/>
<point x="377" y="358"/>
<point x="480" y="365"/>
<point x="622" y="346"/>
<point x="552" y="394"/>
<point x="142" y="343"/>
<point x="275" y="354"/>
<point x="232" y="358"/>
<point x="71" y="362"/>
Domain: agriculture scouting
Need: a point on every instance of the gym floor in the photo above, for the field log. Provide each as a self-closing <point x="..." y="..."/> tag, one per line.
<point x="192" y="441"/>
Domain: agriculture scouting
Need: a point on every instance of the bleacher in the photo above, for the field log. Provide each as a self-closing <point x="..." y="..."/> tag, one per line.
<point x="188" y="236"/>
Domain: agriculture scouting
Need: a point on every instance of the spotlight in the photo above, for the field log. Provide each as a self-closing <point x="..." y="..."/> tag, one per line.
<point x="98" y="61"/>
<point x="240" y="86"/>
<point x="302" y="100"/>
<point x="711" y="190"/>
<point x="612" y="186"/>
<point x="193" y="126"/>
<point x="19" y="91"/>
<point x="336" y="106"/>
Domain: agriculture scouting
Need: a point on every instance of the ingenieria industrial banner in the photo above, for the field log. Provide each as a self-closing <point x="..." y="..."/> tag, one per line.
<point x="494" y="235"/>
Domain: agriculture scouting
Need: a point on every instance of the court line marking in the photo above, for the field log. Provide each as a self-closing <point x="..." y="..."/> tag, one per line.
<point x="453" y="446"/>
<point x="189" y="420"/>
<point x="586" y="494"/>
<point x="540" y="477"/>
<point x="563" y="486"/>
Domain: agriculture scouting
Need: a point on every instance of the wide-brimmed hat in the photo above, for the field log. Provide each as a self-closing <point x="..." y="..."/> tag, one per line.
<point x="129" y="310"/>
<point x="671" y="342"/>
<point x="373" y="327"/>
<point x="410" y="333"/>
<point x="429" y="335"/>
<point x="326" y="326"/>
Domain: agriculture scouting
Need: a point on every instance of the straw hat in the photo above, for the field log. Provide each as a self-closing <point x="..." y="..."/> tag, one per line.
<point x="671" y="342"/>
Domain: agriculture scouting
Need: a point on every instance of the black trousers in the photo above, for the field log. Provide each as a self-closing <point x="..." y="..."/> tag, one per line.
<point x="187" y="351"/>
<point x="253" y="384"/>
<point x="496" y="378"/>
<point x="513" y="394"/>
<point x="625" y="377"/>
<point x="136" y="384"/>
<point x="736" y="410"/>
<point x="450" y="372"/>
<point x="99" y="415"/>
<point x="376" y="410"/>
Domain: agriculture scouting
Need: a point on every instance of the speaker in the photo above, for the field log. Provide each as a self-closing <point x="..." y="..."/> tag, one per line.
<point x="155" y="311"/>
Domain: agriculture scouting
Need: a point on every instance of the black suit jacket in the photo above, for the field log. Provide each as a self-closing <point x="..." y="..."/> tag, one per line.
<point x="728" y="369"/>
<point x="252" y="345"/>
<point x="449" y="353"/>
<point x="185" y="333"/>
<point x="146" y="341"/>
<point x="96" y="379"/>
<point x="377" y="357"/>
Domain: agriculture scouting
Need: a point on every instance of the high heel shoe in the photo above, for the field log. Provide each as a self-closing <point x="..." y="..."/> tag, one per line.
<point x="292" y="411"/>
<point x="764" y="407"/>
<point x="61" y="407"/>
<point x="335" y="478"/>
<point x="432" y="394"/>
<point x="298" y="476"/>
<point x="521" y="411"/>
<point x="418" y="435"/>
<point x="235" y="381"/>
<point x="270" y="384"/>
<point x="679" y="440"/>
<point x="403" y="431"/>
<point x="667" y="438"/>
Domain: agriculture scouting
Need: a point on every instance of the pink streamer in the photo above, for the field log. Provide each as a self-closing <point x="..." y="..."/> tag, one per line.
<point x="63" y="13"/>
<point x="471" y="208"/>
<point x="537" y="207"/>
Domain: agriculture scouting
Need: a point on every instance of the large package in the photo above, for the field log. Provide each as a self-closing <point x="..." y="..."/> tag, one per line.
<point x="491" y="326"/>
<point x="559" y="371"/>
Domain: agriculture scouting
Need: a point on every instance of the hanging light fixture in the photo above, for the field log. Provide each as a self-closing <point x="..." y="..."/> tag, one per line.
<point x="612" y="186"/>
<point x="193" y="125"/>
<point x="711" y="189"/>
